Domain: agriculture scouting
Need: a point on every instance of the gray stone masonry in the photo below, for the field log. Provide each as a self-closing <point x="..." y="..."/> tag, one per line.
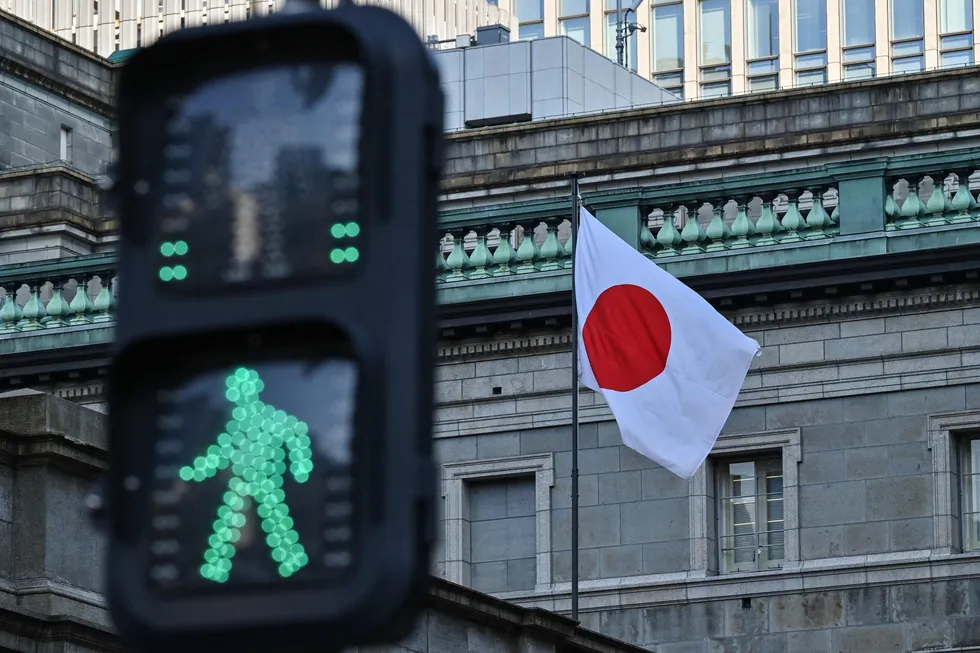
<point x="855" y="396"/>
<point x="746" y="126"/>
<point x="48" y="85"/>
<point x="50" y="553"/>
<point x="941" y="615"/>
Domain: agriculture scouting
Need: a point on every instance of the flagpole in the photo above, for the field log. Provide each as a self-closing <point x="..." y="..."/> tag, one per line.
<point x="575" y="246"/>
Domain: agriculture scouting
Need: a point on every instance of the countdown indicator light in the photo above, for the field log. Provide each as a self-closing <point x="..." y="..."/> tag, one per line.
<point x="350" y="254"/>
<point x="256" y="444"/>
<point x="176" y="272"/>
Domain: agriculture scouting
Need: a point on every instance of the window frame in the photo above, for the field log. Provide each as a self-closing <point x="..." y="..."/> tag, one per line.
<point x="966" y="488"/>
<point x="455" y="496"/>
<point x="562" y="18"/>
<point x="945" y="433"/>
<point x="857" y="64"/>
<point x="705" y="537"/>
<point x="954" y="49"/>
<point x="763" y="462"/>
<point x="754" y="78"/>
<point x="801" y="67"/>
<point x="703" y="68"/>
<point x="655" y="75"/>
<point x="892" y="41"/>
<point x="528" y="23"/>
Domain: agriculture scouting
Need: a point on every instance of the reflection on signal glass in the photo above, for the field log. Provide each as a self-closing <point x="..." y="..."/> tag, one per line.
<point x="253" y="470"/>
<point x="261" y="177"/>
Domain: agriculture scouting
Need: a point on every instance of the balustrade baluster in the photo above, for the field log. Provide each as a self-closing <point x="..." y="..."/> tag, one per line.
<point x="648" y="243"/>
<point x="792" y="221"/>
<point x="81" y="304"/>
<point x="57" y="309"/>
<point x="718" y="231"/>
<point x="480" y="257"/>
<point x="458" y="262"/>
<point x="937" y="206"/>
<point x="505" y="256"/>
<point x="693" y="233"/>
<point x="911" y="209"/>
<point x="10" y="313"/>
<point x="669" y="237"/>
<point x="551" y="249"/>
<point x="33" y="311"/>
<point x="105" y="302"/>
<point x="767" y="225"/>
<point x="742" y="227"/>
<point x="528" y="252"/>
<point x="569" y="248"/>
<point x="817" y="219"/>
<point x="963" y="202"/>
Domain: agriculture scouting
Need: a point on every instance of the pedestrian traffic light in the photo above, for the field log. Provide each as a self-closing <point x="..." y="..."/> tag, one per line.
<point x="271" y="486"/>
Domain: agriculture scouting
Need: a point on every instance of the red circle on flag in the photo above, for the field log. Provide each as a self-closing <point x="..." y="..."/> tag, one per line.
<point x="627" y="338"/>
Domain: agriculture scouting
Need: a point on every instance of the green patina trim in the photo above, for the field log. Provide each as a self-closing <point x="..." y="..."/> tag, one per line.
<point x="59" y="338"/>
<point x="70" y="265"/>
<point x="120" y="56"/>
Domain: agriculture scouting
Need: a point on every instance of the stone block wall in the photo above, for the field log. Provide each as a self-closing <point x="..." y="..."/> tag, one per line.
<point x="50" y="87"/>
<point x="862" y="401"/>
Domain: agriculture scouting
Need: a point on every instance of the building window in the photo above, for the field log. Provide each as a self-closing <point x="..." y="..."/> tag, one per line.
<point x="630" y="41"/>
<point x="745" y="504"/>
<point x="66" y="144"/>
<point x="762" y="27"/>
<point x="716" y="48"/>
<point x="908" y="30"/>
<point x="811" y="42"/>
<point x="667" y="47"/>
<point x="859" y="39"/>
<point x="530" y="19"/>
<point x="750" y="514"/>
<point x="969" y="456"/>
<point x="497" y="518"/>
<point x="574" y="20"/>
<point x="955" y="33"/>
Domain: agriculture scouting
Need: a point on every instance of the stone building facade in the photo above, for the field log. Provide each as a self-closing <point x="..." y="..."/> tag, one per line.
<point x="837" y="512"/>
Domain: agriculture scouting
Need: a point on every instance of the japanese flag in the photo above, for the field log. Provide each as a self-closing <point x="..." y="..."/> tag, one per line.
<point x="668" y="364"/>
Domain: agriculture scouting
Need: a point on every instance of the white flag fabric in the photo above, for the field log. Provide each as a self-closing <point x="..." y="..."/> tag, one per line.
<point x="668" y="364"/>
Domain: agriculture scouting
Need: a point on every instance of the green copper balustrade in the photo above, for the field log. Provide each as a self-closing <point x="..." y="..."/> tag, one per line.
<point x="33" y="302"/>
<point x="931" y="198"/>
<point x="504" y="248"/>
<point x="696" y="223"/>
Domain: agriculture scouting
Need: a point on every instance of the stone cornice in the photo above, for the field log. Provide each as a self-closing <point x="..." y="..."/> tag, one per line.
<point x="85" y="636"/>
<point x="35" y="76"/>
<point x="857" y="308"/>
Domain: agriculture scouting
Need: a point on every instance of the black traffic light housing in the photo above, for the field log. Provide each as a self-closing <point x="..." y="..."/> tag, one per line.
<point x="271" y="485"/>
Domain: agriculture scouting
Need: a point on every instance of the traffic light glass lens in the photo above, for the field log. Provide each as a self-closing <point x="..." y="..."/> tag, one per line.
<point x="252" y="477"/>
<point x="254" y="186"/>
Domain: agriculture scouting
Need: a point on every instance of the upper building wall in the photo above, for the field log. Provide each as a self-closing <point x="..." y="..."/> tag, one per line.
<point x="135" y="23"/>
<point x="525" y="81"/>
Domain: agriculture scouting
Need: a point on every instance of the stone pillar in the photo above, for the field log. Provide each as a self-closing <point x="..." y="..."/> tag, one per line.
<point x="624" y="221"/>
<point x="861" y="197"/>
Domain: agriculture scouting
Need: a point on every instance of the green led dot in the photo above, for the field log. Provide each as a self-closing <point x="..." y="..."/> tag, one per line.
<point x="351" y="254"/>
<point x="180" y="272"/>
<point x="338" y="231"/>
<point x="199" y="475"/>
<point x="239" y="413"/>
<point x="352" y="229"/>
<point x="167" y="249"/>
<point x="180" y="248"/>
<point x="166" y="273"/>
<point x="337" y="256"/>
<point x="186" y="473"/>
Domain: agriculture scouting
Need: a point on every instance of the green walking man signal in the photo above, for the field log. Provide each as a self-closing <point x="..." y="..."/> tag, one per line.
<point x="271" y="483"/>
<point x="258" y="444"/>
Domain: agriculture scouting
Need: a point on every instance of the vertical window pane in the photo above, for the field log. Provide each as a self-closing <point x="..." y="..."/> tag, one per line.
<point x="530" y="31"/>
<point x="668" y="37"/>
<point x="577" y="28"/>
<point x="859" y="22"/>
<point x="530" y="10"/>
<point x="955" y="16"/>
<point x="907" y="19"/>
<point x="971" y="495"/>
<point x="811" y="25"/>
<point x="716" y="32"/>
<point x="763" y="28"/>
<point x="630" y="43"/>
